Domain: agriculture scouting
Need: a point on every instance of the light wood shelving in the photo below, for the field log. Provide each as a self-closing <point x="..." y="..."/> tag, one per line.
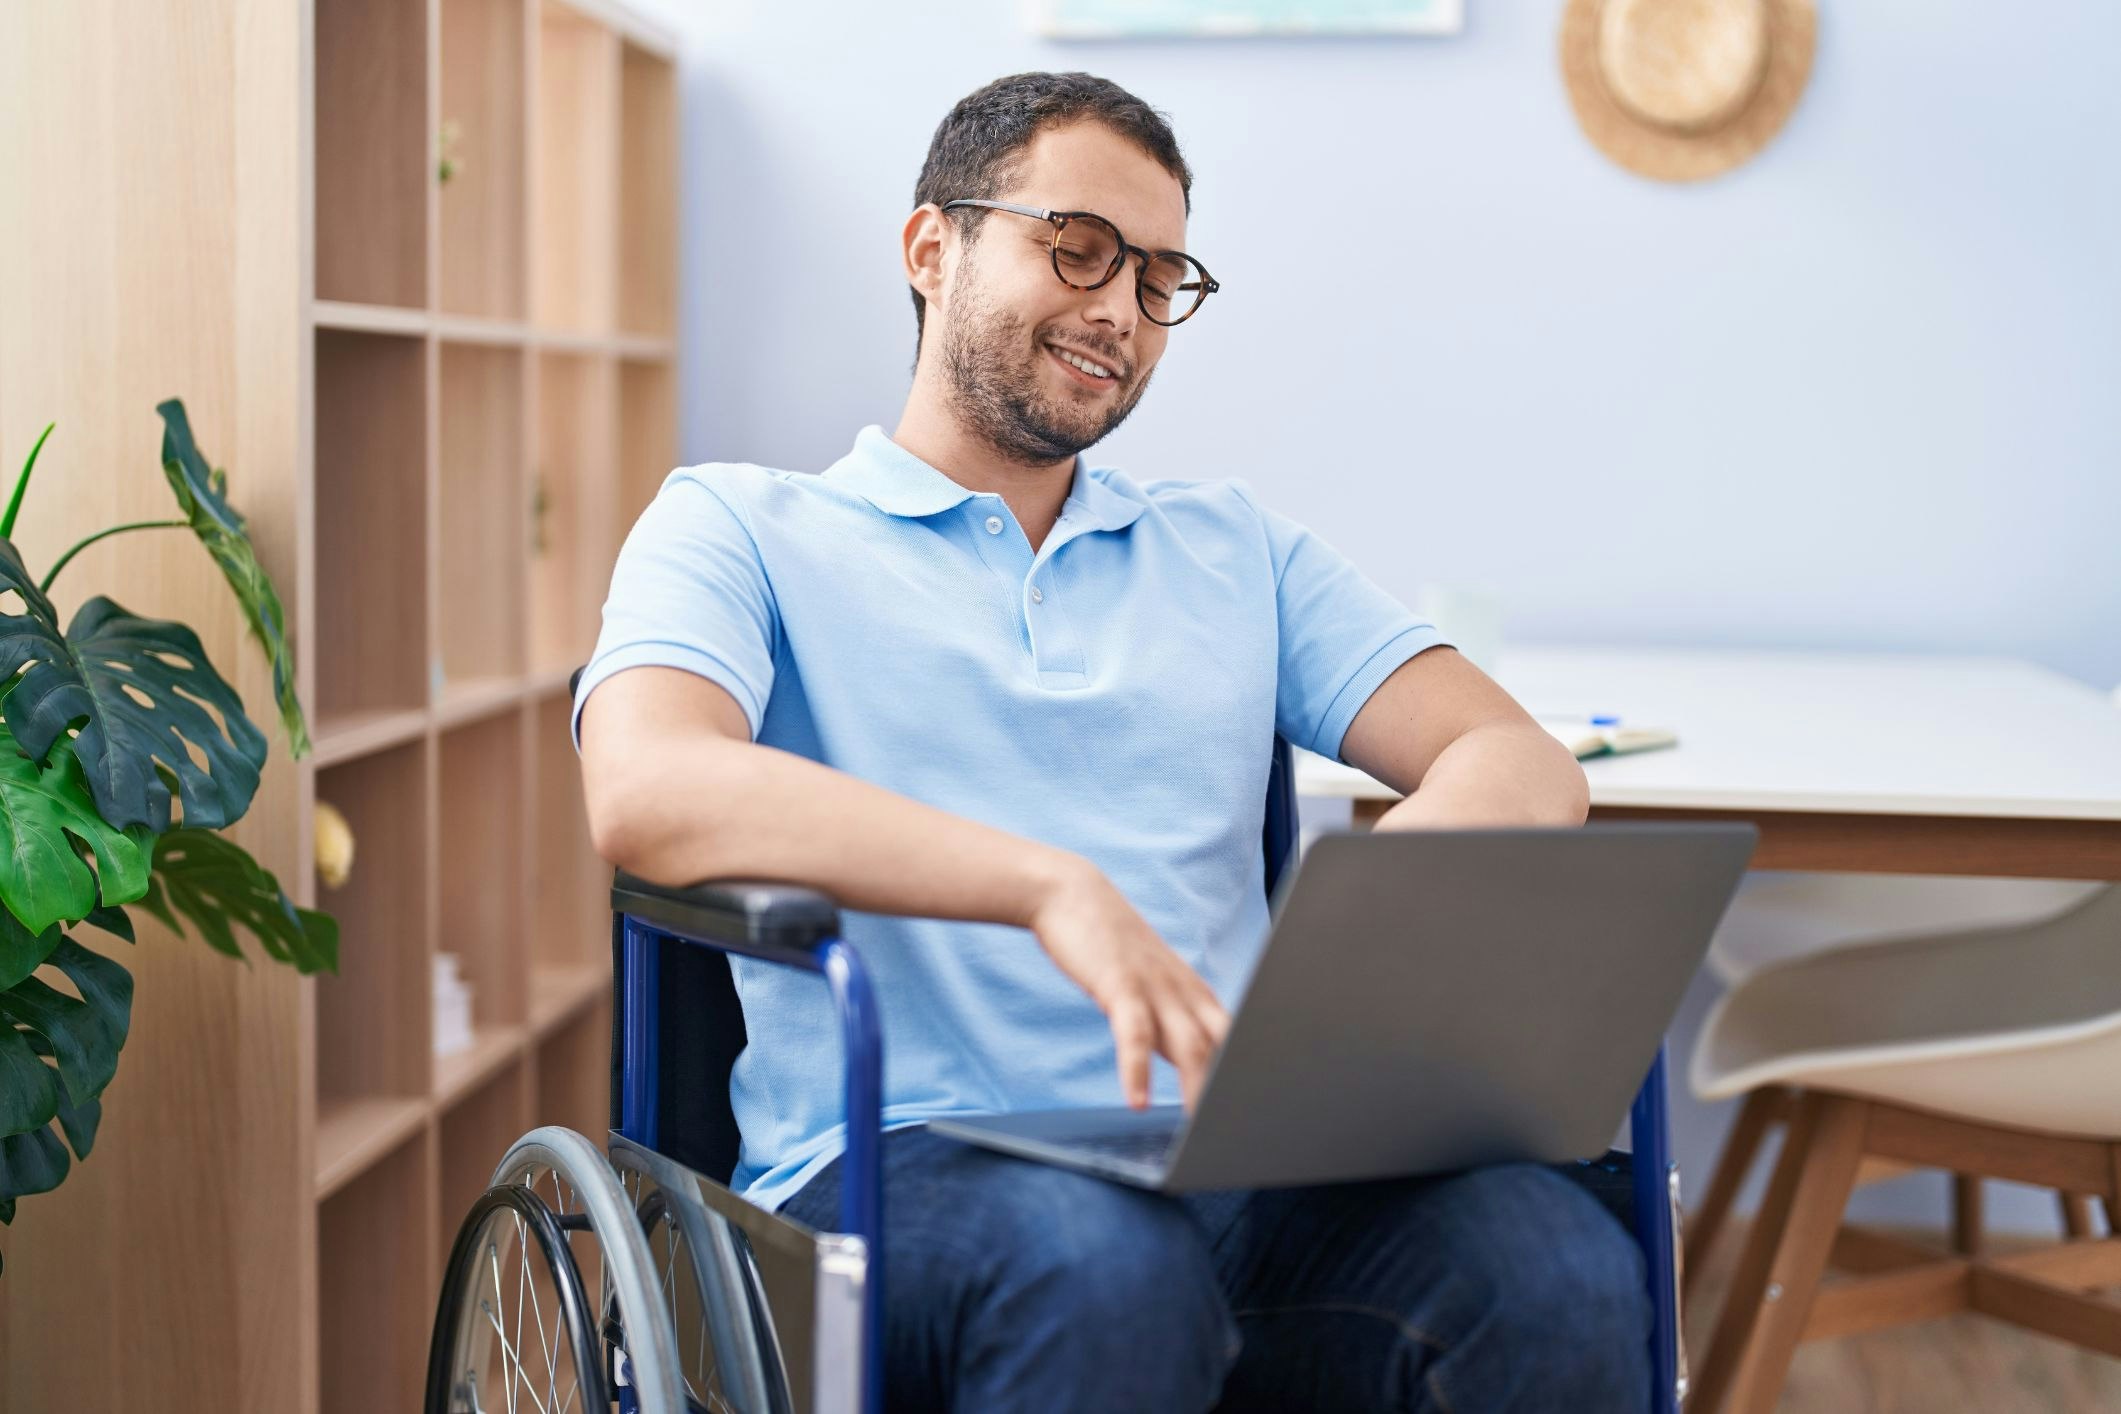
<point x="491" y="412"/>
<point x="573" y="1070"/>
<point x="376" y="1236"/>
<point x="440" y="402"/>
<point x="475" y="1130"/>
<point x="374" y="150"/>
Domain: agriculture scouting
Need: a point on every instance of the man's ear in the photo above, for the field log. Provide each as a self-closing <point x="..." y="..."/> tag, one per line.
<point x="925" y="241"/>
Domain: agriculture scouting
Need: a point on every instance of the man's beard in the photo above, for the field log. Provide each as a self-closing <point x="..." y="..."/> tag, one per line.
<point x="992" y="365"/>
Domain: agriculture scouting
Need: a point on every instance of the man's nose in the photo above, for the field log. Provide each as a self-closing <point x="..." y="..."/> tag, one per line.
<point x="1113" y="302"/>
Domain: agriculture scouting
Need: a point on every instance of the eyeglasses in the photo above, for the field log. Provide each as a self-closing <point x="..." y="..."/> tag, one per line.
<point x="1088" y="251"/>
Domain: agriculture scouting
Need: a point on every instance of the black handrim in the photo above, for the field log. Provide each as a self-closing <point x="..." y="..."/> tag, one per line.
<point x="544" y="1227"/>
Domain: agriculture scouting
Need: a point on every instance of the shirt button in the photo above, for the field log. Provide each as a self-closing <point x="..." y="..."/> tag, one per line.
<point x="994" y="525"/>
<point x="1036" y="596"/>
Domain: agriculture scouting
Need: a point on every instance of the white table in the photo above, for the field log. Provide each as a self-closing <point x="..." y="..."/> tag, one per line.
<point x="1861" y="762"/>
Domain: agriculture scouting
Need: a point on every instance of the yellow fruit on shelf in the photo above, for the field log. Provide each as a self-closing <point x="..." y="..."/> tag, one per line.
<point x="335" y="845"/>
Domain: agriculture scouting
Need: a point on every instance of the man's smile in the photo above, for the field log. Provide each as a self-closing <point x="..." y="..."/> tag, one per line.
<point x="1079" y="367"/>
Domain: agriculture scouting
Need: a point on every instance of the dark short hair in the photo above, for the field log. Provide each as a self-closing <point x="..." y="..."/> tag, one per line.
<point x="977" y="147"/>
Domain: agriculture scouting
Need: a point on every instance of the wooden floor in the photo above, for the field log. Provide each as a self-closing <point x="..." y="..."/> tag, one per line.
<point x="1962" y="1362"/>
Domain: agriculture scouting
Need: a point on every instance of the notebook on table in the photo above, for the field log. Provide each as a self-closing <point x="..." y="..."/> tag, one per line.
<point x="1594" y="736"/>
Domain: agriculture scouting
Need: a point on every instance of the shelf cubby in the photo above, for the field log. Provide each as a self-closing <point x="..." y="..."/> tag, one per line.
<point x="480" y="571"/>
<point x="374" y="152"/>
<point x="373" y="1032"/>
<point x="574" y="275"/>
<point x="573" y="503"/>
<point x="376" y="1284"/>
<point x="648" y="442"/>
<point x="574" y="1074"/>
<point x="648" y="192"/>
<point x="482" y="132"/>
<point x="570" y="887"/>
<point x="481" y="862"/>
<point x="352" y="1134"/>
<point x="475" y="1132"/>
<point x="371" y="518"/>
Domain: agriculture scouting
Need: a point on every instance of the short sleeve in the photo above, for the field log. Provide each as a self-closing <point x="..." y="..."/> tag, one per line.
<point x="689" y="591"/>
<point x="1340" y="635"/>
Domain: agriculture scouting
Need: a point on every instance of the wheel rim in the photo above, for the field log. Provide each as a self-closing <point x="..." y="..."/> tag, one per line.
<point x="574" y="1179"/>
<point x="728" y="1352"/>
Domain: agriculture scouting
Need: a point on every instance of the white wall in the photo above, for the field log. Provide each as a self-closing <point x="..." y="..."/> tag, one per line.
<point x="1859" y="392"/>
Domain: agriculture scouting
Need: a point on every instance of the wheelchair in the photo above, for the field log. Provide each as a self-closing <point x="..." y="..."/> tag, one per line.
<point x="705" y="1302"/>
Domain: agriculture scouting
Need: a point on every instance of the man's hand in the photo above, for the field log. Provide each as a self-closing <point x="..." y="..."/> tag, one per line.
<point x="1154" y="1001"/>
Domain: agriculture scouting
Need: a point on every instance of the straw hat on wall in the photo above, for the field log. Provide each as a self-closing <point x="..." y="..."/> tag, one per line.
<point x="1685" y="89"/>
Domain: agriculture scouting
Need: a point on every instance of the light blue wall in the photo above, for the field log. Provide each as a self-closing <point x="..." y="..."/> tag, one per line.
<point x="1860" y="392"/>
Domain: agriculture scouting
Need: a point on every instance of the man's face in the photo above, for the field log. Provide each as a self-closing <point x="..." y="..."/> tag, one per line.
<point x="1007" y="315"/>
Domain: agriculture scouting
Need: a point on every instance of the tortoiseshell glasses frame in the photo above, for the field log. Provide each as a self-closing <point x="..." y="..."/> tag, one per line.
<point x="1194" y="278"/>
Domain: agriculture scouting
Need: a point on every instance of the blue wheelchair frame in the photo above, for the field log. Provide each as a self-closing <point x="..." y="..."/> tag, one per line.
<point x="654" y="927"/>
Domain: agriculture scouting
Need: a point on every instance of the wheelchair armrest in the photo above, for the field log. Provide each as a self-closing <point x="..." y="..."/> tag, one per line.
<point x="779" y="922"/>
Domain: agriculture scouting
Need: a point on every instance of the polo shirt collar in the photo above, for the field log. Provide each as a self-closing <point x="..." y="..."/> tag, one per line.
<point x="899" y="483"/>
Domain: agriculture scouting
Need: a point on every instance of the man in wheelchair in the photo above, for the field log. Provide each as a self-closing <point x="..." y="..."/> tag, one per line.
<point x="1013" y="711"/>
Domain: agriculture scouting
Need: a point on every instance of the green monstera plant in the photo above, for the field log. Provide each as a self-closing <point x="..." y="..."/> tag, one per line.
<point x="122" y="751"/>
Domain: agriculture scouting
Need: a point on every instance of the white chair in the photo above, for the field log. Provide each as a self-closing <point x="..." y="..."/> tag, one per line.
<point x="1778" y="917"/>
<point x="1991" y="1051"/>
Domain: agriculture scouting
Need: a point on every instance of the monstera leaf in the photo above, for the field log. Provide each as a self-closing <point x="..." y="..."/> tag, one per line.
<point x="57" y="1053"/>
<point x="21" y="951"/>
<point x="213" y="882"/>
<point x="31" y="1162"/>
<point x="42" y="809"/>
<point x="140" y="689"/>
<point x="44" y="700"/>
<point x="84" y="1041"/>
<point x="220" y="528"/>
<point x="125" y="659"/>
<point x="29" y="1089"/>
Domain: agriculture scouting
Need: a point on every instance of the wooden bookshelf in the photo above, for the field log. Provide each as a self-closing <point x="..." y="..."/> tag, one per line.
<point x="478" y="455"/>
<point x="441" y="403"/>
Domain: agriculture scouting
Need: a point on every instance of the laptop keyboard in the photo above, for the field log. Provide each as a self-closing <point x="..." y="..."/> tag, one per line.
<point x="1134" y="1146"/>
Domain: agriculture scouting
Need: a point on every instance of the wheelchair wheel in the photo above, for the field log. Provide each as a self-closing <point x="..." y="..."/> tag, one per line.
<point x="627" y="1355"/>
<point x="729" y="1355"/>
<point x="514" y="1327"/>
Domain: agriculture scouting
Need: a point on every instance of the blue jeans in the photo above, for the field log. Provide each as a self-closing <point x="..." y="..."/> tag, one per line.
<point x="1018" y="1286"/>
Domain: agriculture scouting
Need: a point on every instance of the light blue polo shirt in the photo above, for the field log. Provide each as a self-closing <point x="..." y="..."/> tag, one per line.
<point x="1115" y="693"/>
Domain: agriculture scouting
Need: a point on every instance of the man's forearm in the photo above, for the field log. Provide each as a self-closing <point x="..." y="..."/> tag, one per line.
<point x="713" y="808"/>
<point x="1495" y="775"/>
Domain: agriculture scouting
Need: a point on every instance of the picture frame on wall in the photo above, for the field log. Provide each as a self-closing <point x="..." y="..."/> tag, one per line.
<point x="1199" y="19"/>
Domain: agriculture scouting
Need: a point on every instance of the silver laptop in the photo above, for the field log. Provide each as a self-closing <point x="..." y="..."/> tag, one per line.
<point x="1429" y="1001"/>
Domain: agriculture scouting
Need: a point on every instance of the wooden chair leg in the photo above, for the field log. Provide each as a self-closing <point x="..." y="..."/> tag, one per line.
<point x="1771" y="1296"/>
<point x="1762" y="1109"/>
<point x="2076" y="1214"/>
<point x="1966" y="1214"/>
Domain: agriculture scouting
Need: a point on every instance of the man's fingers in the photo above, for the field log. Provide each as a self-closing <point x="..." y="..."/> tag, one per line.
<point x="1133" y="1033"/>
<point x="1214" y="1020"/>
<point x="1187" y="1043"/>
